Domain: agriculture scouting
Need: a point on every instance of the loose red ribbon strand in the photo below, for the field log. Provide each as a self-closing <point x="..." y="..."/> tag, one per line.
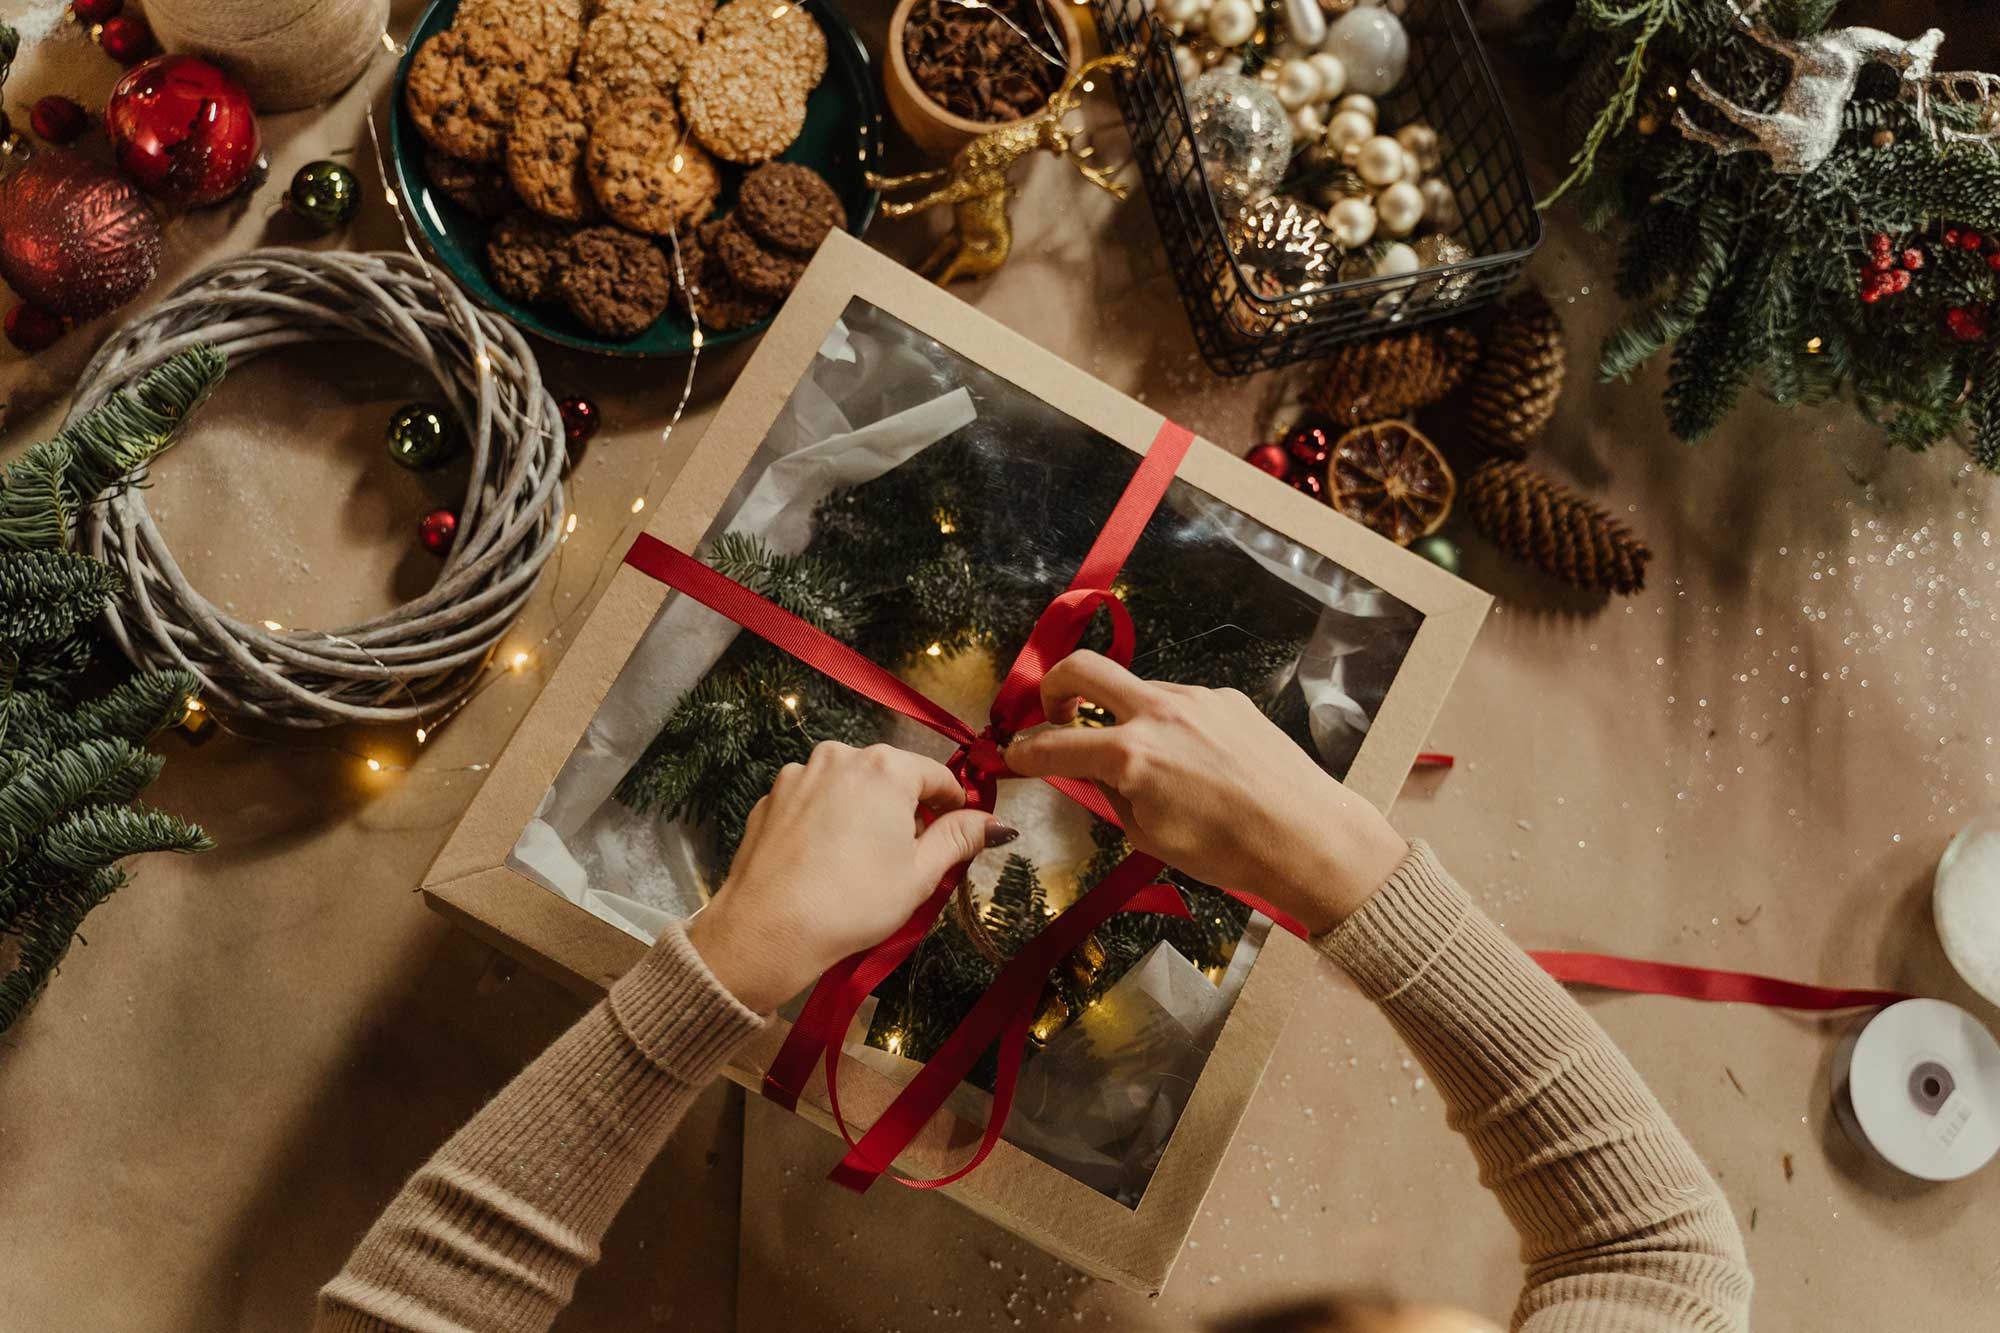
<point x="1006" y="1010"/>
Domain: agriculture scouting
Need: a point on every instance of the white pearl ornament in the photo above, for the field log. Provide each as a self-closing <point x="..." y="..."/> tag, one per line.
<point x="1299" y="84"/>
<point x="1373" y="46"/>
<point x="1305" y="22"/>
<point x="1352" y="221"/>
<point x="1440" y="205"/>
<point x="1332" y="74"/>
<point x="1422" y="140"/>
<point x="1307" y="127"/>
<point x="1361" y="104"/>
<point x="1349" y="129"/>
<point x="1231" y="22"/>
<point x="1186" y="64"/>
<point x="1400" y="208"/>
<point x="1380" y="161"/>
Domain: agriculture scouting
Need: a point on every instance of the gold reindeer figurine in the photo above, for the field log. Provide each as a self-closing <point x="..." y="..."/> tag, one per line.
<point x="976" y="181"/>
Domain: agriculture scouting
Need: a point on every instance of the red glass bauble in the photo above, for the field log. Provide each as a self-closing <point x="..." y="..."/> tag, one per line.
<point x="58" y="120"/>
<point x="32" y="329"/>
<point x="96" y="11"/>
<point x="127" y="39"/>
<point x="184" y="130"/>
<point x="76" y="238"/>
<point x="579" y="416"/>
<point x="436" y="530"/>
<point x="1271" y="458"/>
<point x="1313" y="483"/>
<point x="1968" y="324"/>
<point x="1310" y="445"/>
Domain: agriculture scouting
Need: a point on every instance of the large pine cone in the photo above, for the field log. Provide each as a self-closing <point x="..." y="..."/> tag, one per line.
<point x="1513" y="393"/>
<point x="1392" y="377"/>
<point x="1566" y="534"/>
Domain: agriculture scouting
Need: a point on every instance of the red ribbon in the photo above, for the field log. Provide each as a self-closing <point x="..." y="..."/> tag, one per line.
<point x="1007" y="1008"/>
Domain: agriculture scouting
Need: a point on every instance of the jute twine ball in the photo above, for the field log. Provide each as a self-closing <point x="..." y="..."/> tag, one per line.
<point x="404" y="665"/>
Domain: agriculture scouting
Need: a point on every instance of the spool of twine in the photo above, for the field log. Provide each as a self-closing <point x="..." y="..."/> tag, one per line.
<point x="288" y="53"/>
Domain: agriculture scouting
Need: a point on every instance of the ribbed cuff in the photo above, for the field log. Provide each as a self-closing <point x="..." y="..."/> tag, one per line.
<point x="1398" y="933"/>
<point x="674" y="1010"/>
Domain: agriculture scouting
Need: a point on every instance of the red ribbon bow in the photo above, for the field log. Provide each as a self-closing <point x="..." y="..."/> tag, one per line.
<point x="1008" y="1007"/>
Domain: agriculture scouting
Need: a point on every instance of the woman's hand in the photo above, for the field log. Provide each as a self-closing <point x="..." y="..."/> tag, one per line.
<point x="832" y="861"/>
<point x="1203" y="780"/>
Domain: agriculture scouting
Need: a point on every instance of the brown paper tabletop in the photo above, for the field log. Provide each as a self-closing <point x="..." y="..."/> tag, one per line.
<point x="1754" y="764"/>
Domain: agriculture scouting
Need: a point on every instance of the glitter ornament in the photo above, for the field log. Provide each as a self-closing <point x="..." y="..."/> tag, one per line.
<point x="324" y="194"/>
<point x="96" y="11"/>
<point x="422" y="435"/>
<point x="1440" y="251"/>
<point x="32" y="329"/>
<point x="1283" y="246"/>
<point x="76" y="238"/>
<point x="1373" y="46"/>
<point x="127" y="39"/>
<point x="1271" y="458"/>
<point x="58" y="120"/>
<point x="184" y="130"/>
<point x="1242" y="135"/>
<point x="579" y="417"/>
<point x="436" y="530"/>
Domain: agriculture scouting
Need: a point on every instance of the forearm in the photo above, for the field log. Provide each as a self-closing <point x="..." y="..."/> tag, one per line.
<point x="491" y="1234"/>
<point x="1621" y="1227"/>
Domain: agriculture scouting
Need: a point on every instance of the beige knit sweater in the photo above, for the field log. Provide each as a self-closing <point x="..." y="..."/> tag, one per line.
<point x="1622" y="1230"/>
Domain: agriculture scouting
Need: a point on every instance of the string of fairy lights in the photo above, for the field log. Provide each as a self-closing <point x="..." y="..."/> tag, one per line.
<point x="509" y="662"/>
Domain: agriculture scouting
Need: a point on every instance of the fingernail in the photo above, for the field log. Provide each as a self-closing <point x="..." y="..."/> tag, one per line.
<point x="999" y="834"/>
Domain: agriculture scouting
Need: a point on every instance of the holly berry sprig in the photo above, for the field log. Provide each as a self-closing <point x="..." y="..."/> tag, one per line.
<point x="1891" y="269"/>
<point x="1888" y="273"/>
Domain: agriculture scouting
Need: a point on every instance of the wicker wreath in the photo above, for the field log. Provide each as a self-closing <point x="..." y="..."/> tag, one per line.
<point x="401" y="666"/>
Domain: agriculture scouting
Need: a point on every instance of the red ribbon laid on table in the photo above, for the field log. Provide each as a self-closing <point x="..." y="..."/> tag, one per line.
<point x="1701" y="983"/>
<point x="1006" y="1010"/>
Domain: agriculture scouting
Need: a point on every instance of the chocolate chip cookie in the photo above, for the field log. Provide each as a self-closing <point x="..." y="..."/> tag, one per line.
<point x="644" y="169"/>
<point x="462" y="87"/>
<point x="615" y="283"/>
<point x="524" y="253"/>
<point x="545" y="149"/>
<point x="714" y="299"/>
<point x="757" y="269"/>
<point x="479" y="190"/>
<point x="789" y="206"/>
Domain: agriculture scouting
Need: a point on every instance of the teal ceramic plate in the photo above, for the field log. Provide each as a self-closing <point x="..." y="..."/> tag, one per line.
<point x="842" y="141"/>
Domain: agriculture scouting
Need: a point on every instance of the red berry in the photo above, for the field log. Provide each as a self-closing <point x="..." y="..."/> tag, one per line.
<point x="126" y="39"/>
<point x="1899" y="280"/>
<point x="1882" y="263"/>
<point x="1972" y="240"/>
<point x="1271" y="458"/>
<point x="1881" y="243"/>
<point x="1966" y="323"/>
<point x="31" y="328"/>
<point x="1913" y="258"/>
<point x="1993" y="261"/>
<point x="1951" y="236"/>
<point x="96" y="11"/>
<point x="58" y="120"/>
<point x="1870" y="295"/>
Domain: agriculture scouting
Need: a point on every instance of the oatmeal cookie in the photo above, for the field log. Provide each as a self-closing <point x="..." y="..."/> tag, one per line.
<point x="744" y="93"/>
<point x="638" y="48"/>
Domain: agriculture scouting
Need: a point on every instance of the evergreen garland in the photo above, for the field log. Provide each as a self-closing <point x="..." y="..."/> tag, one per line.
<point x="1749" y="276"/>
<point x="71" y="768"/>
<point x="957" y="550"/>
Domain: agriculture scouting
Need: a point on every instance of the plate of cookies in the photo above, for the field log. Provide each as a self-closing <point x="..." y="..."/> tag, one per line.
<point x="612" y="174"/>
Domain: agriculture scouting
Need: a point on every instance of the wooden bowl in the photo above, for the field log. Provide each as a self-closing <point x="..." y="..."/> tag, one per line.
<point x="936" y="130"/>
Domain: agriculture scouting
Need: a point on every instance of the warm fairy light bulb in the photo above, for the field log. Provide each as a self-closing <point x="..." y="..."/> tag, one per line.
<point x="790" y="701"/>
<point x="389" y="196"/>
<point x="697" y="339"/>
<point x="194" y="704"/>
<point x="1813" y="345"/>
<point x="675" y="165"/>
<point x="520" y="660"/>
<point x="638" y="504"/>
<point x="569" y="525"/>
<point x="935" y="650"/>
<point x="422" y="735"/>
<point x="894" y="1043"/>
<point x="374" y="765"/>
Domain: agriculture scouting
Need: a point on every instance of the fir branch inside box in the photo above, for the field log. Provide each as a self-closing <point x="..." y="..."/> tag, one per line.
<point x="920" y="482"/>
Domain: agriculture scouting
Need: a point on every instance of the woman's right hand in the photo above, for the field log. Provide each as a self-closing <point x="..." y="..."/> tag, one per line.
<point x="1204" y="781"/>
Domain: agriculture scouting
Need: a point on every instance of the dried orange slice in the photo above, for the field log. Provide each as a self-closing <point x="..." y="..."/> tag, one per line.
<point x="1393" y="479"/>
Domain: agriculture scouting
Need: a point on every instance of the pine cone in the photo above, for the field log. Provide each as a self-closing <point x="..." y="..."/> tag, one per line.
<point x="1392" y="377"/>
<point x="1566" y="534"/>
<point x="1514" y="391"/>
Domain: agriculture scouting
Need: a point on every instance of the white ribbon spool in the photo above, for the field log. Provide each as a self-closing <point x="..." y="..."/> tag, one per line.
<point x="1918" y="1085"/>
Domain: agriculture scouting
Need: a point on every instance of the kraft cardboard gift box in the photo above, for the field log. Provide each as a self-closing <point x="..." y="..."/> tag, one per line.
<point x="486" y="876"/>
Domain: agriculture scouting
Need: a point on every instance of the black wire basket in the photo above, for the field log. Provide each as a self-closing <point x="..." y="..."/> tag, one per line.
<point x="1239" y="329"/>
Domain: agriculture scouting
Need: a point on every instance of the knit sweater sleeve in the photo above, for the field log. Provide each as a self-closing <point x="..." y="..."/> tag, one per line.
<point x="1622" y="1229"/>
<point x="492" y="1233"/>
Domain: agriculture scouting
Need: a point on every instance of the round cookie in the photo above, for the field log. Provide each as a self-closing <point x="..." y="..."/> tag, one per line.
<point x="546" y="147"/>
<point x="644" y="169"/>
<point x="638" y="48"/>
<point x="789" y="206"/>
<point x="744" y="93"/>
<point x="615" y="283"/>
<point x="524" y="253"/>
<point x="462" y="85"/>
<point x="714" y="299"/>
<point x="759" y="271"/>
<point x="554" y="27"/>
<point x="479" y="190"/>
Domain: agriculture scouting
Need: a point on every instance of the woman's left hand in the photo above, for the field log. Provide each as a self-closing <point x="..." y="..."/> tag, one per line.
<point x="832" y="861"/>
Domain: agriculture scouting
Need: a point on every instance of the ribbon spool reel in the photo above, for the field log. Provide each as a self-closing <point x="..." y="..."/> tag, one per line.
<point x="1917" y="1086"/>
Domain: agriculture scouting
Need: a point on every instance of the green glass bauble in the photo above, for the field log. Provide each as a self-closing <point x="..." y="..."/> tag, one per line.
<point x="421" y="435"/>
<point x="1439" y="550"/>
<point x="324" y="193"/>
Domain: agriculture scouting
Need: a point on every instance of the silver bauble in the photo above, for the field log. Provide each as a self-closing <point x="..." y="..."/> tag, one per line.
<point x="1243" y="136"/>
